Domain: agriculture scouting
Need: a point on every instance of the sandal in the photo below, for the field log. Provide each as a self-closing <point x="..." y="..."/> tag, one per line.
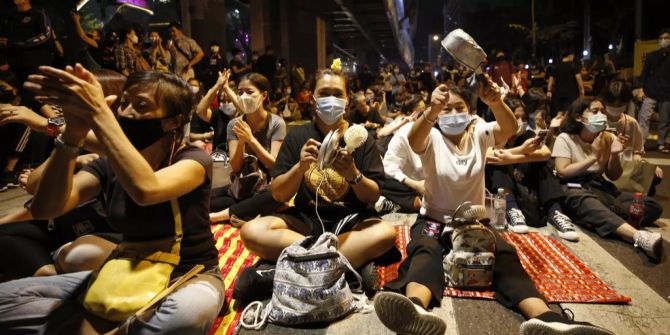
<point x="663" y="148"/>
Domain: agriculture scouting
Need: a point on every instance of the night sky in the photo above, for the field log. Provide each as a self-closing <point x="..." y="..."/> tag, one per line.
<point x="560" y="23"/>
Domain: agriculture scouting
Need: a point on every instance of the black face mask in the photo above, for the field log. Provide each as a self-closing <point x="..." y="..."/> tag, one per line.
<point x="142" y="133"/>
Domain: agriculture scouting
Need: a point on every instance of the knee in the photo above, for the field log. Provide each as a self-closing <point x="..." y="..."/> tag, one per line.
<point x="85" y="253"/>
<point x="386" y="234"/>
<point x="253" y="231"/>
<point x="191" y="310"/>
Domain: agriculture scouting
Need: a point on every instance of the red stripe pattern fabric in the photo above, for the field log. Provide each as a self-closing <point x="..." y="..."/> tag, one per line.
<point x="557" y="273"/>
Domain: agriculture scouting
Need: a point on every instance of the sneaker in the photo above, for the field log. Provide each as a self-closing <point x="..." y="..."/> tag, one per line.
<point x="563" y="224"/>
<point x="650" y="243"/>
<point x="386" y="206"/>
<point x="516" y="221"/>
<point x="219" y="156"/>
<point x="370" y="278"/>
<point x="402" y="316"/>
<point x="254" y="284"/>
<point x="8" y="180"/>
<point x="551" y="323"/>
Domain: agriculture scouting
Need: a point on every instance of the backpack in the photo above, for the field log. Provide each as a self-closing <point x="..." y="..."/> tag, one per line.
<point x="309" y="286"/>
<point x="248" y="181"/>
<point x="469" y="264"/>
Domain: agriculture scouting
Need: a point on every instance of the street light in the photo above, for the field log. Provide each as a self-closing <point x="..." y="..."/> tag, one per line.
<point x="434" y="38"/>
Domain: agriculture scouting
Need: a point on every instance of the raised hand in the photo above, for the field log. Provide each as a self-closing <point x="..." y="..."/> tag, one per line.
<point x="309" y="154"/>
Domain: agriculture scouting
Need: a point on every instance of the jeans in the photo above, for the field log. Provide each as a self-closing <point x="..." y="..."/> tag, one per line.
<point x="644" y="116"/>
<point x="50" y="305"/>
<point x="663" y="122"/>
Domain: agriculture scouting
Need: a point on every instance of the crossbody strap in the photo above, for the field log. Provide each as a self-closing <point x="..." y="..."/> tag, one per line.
<point x="176" y="212"/>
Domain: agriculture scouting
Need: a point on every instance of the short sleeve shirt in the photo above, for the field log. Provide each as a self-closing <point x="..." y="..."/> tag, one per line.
<point x="572" y="147"/>
<point x="274" y="130"/>
<point x="140" y="223"/>
<point x="451" y="177"/>
<point x="189" y="47"/>
<point x="336" y="197"/>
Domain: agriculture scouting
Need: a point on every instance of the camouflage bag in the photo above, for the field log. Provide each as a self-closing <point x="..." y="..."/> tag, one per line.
<point x="469" y="265"/>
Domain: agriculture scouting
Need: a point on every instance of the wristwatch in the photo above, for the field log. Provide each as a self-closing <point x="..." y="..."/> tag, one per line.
<point x="53" y="125"/>
<point x="71" y="149"/>
<point x="356" y="180"/>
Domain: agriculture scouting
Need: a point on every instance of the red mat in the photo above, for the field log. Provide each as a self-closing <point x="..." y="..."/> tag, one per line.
<point x="558" y="274"/>
<point x="233" y="258"/>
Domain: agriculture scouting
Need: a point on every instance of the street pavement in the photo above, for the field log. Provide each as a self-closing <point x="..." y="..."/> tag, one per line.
<point x="620" y="265"/>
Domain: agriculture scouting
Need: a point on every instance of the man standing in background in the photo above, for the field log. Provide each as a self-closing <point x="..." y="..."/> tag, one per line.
<point x="656" y="90"/>
<point x="186" y="53"/>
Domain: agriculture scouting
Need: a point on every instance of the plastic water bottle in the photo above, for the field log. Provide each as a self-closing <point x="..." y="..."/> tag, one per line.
<point x="636" y="211"/>
<point x="499" y="210"/>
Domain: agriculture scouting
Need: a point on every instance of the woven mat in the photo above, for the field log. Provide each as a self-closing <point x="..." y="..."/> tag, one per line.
<point x="557" y="273"/>
<point x="233" y="258"/>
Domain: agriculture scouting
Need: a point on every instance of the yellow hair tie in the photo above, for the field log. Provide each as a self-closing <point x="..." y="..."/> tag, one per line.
<point x="337" y="65"/>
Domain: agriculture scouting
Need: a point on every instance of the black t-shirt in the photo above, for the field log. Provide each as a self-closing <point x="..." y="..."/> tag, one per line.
<point x="267" y="66"/>
<point x="219" y="123"/>
<point x="239" y="65"/>
<point x="29" y="35"/>
<point x="565" y="81"/>
<point x="356" y="117"/>
<point x="336" y="199"/>
<point x="139" y="223"/>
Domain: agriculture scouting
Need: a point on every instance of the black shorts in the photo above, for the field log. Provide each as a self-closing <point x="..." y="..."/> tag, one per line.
<point x="298" y="219"/>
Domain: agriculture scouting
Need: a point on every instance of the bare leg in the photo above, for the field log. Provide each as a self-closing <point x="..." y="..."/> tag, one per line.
<point x="626" y="232"/>
<point x="22" y="214"/>
<point x="366" y="241"/>
<point x="533" y="307"/>
<point x="46" y="270"/>
<point x="417" y="204"/>
<point x="268" y="236"/>
<point x="223" y="215"/>
<point x="416" y="290"/>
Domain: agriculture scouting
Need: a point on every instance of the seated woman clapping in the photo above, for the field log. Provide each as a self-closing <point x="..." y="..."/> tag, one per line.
<point x="336" y="196"/>
<point x="146" y="165"/>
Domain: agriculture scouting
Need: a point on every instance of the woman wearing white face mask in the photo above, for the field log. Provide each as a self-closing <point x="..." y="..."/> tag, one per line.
<point x="453" y="160"/>
<point x="583" y="153"/>
<point x="342" y="193"/>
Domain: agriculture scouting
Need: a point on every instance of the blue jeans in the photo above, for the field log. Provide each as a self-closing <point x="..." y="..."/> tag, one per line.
<point x="47" y="305"/>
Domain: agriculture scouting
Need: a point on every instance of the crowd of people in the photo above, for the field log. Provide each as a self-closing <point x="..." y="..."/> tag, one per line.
<point x="121" y="145"/>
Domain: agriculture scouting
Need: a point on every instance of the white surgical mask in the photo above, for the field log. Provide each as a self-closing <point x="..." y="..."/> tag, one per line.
<point x="453" y="124"/>
<point x="135" y="39"/>
<point x="250" y="103"/>
<point x="663" y="43"/>
<point x="214" y="49"/>
<point x="195" y="89"/>
<point x="597" y="123"/>
<point x="330" y="109"/>
<point x="615" y="111"/>
<point x="228" y="109"/>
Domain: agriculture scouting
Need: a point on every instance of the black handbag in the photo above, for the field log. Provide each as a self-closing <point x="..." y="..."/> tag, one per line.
<point x="249" y="181"/>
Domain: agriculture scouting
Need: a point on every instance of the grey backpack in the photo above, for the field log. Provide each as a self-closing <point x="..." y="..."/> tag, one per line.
<point x="309" y="286"/>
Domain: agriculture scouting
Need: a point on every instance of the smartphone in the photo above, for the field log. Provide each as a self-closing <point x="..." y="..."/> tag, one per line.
<point x="574" y="185"/>
<point x="542" y="133"/>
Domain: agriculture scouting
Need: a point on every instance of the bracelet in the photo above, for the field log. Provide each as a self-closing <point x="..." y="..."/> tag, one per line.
<point x="356" y="180"/>
<point x="70" y="149"/>
<point x="425" y="117"/>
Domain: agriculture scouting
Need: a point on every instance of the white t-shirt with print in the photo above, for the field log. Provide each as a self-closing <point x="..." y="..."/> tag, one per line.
<point x="451" y="178"/>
